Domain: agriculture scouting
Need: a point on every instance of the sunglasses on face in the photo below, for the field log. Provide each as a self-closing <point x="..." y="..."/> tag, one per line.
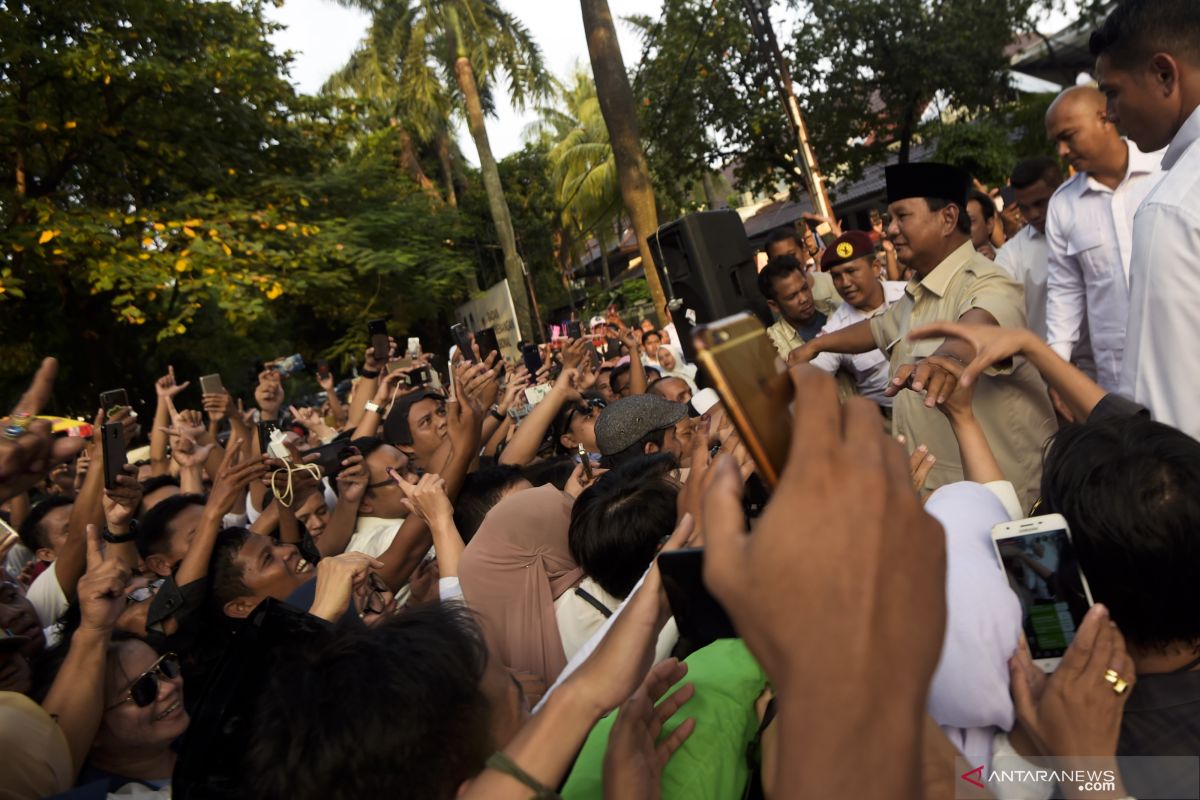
<point x="144" y="689"/>
<point x="586" y="408"/>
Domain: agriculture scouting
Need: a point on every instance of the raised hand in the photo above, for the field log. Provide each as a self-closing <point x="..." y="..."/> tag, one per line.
<point x="1077" y="710"/>
<point x="993" y="345"/>
<point x="233" y="476"/>
<point x="778" y="583"/>
<point x="931" y="375"/>
<point x="28" y="449"/>
<point x="121" y="504"/>
<point x="427" y="498"/>
<point x="352" y="480"/>
<point x="101" y="590"/>
<point x="326" y="382"/>
<point x="579" y="481"/>
<point x="634" y="760"/>
<point x="337" y="578"/>
<point x="216" y="405"/>
<point x="184" y="449"/>
<point x="375" y="362"/>
<point x="573" y="352"/>
<point x="166" y="388"/>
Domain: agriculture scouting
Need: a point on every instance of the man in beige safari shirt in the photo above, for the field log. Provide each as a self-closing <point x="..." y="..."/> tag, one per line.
<point x="931" y="233"/>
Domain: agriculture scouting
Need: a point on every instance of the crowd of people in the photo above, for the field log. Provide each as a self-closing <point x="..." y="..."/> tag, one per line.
<point x="468" y="577"/>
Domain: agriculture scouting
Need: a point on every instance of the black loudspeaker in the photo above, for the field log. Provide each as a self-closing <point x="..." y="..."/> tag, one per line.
<point x="707" y="267"/>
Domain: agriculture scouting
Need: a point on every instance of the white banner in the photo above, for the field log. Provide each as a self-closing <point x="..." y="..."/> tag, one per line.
<point x="493" y="309"/>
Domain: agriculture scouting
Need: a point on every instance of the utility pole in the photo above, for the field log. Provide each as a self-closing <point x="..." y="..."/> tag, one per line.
<point x="764" y="34"/>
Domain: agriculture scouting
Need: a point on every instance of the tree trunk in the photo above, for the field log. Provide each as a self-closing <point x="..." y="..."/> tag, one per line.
<point x="620" y="117"/>
<point x="513" y="269"/>
<point x="443" y="151"/>
<point x="710" y="191"/>
<point x="410" y="163"/>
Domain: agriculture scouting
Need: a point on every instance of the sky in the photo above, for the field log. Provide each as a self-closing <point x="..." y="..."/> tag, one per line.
<point x="322" y="35"/>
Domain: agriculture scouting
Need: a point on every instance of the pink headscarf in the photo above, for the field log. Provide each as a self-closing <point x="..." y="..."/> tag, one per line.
<point x="512" y="571"/>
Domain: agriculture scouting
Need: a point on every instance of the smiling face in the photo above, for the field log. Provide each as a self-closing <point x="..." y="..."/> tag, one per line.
<point x="269" y="569"/>
<point x="919" y="233"/>
<point x="126" y="726"/>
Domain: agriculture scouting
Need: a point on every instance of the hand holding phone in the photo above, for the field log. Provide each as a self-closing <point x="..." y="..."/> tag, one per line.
<point x="462" y="338"/>
<point x="114" y="400"/>
<point x="112" y="445"/>
<point x="378" y="336"/>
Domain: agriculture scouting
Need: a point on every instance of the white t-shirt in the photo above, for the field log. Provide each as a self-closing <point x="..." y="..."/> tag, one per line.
<point x="47" y="597"/>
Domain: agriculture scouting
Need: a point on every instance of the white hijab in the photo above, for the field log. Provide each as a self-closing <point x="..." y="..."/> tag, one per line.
<point x="969" y="697"/>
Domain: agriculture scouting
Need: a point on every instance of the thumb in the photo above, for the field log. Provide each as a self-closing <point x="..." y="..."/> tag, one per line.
<point x="95" y="548"/>
<point x="183" y="385"/>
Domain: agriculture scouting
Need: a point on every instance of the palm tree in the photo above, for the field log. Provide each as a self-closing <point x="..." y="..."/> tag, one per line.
<point x="583" y="170"/>
<point x="620" y="116"/>
<point x="435" y="56"/>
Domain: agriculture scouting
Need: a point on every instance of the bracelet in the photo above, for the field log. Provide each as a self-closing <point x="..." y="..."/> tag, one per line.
<point x="368" y="373"/>
<point x="497" y="415"/>
<point x="371" y="406"/>
<point x="502" y="763"/>
<point x="121" y="538"/>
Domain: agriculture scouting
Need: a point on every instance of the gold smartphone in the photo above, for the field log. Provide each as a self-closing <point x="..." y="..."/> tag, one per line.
<point x="754" y="387"/>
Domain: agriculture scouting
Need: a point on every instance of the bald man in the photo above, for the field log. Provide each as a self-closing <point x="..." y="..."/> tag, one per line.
<point x="1089" y="229"/>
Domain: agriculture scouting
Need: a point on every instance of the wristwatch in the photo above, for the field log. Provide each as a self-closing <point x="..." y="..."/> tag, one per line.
<point x="371" y="405"/>
<point x="495" y="412"/>
<point x="369" y="373"/>
<point x="121" y="538"/>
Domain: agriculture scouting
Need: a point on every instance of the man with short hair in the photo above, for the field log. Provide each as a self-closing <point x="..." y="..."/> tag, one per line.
<point x="672" y="389"/>
<point x="637" y="425"/>
<point x="417" y="426"/>
<point x="1025" y="256"/>
<point x="786" y="242"/>
<point x="981" y="210"/>
<point x="953" y="282"/>
<point x="1148" y="63"/>
<point x="789" y="294"/>
<point x="850" y="261"/>
<point x="1089" y="230"/>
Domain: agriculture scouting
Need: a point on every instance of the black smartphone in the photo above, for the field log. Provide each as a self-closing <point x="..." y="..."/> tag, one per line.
<point x="265" y="429"/>
<point x="487" y="341"/>
<point x="114" y="398"/>
<point x="378" y="335"/>
<point x="458" y="332"/>
<point x="574" y="329"/>
<point x="330" y="457"/>
<point x="532" y="358"/>
<point x="113" y="443"/>
<point x="700" y="618"/>
<point x="418" y="377"/>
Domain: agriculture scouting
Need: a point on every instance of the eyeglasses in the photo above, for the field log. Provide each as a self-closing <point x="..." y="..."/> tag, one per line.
<point x="394" y="477"/>
<point x="376" y="589"/>
<point x="586" y="408"/>
<point x="144" y="688"/>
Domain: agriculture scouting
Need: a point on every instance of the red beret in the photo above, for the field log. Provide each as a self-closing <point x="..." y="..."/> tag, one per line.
<point x="849" y="246"/>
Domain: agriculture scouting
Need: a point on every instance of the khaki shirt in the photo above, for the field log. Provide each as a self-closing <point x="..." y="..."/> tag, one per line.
<point x="1012" y="405"/>
<point x="825" y="298"/>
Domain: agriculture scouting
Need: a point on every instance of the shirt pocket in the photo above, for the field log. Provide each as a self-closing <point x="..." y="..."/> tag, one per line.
<point x="1089" y="246"/>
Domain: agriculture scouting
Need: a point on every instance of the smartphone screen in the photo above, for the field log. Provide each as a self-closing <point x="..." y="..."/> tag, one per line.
<point x="378" y="335"/>
<point x="532" y="358"/>
<point x="458" y="332"/>
<point x="487" y="341"/>
<point x="574" y="330"/>
<point x="113" y="444"/>
<point x="1043" y="571"/>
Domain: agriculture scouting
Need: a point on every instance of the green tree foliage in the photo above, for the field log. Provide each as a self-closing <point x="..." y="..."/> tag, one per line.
<point x="869" y="70"/>
<point x="161" y="180"/>
<point x="989" y="144"/>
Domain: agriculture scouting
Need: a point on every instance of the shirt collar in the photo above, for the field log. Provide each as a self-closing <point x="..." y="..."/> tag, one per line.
<point x="1184" y="139"/>
<point x="1139" y="164"/>
<point x="938" y="281"/>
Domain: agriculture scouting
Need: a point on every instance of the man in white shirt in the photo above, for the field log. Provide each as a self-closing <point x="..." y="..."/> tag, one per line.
<point x="1089" y="229"/>
<point x="1025" y="255"/>
<point x="850" y="260"/>
<point x="1148" y="63"/>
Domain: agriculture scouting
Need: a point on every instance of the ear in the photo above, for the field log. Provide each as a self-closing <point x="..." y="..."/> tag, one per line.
<point x="45" y="554"/>
<point x="650" y="448"/>
<point x="568" y="441"/>
<point x="240" y="607"/>
<point x="950" y="214"/>
<point x="159" y="565"/>
<point x="1165" y="71"/>
<point x="771" y="304"/>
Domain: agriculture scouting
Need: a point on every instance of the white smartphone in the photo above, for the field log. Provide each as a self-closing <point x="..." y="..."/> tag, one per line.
<point x="1039" y="561"/>
<point x="414" y="347"/>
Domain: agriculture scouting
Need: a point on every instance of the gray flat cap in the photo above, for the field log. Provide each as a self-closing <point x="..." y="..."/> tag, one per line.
<point x="629" y="419"/>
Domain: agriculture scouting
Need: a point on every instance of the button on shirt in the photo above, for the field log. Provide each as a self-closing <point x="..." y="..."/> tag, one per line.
<point x="1089" y="229"/>
<point x="1012" y="405"/>
<point x="1163" y="368"/>
<point x="869" y="370"/>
